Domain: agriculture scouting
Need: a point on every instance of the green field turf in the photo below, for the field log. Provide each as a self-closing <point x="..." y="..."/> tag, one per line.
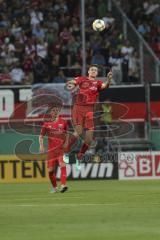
<point x="90" y="210"/>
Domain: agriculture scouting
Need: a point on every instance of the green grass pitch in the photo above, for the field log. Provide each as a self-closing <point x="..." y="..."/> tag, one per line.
<point x="90" y="210"/>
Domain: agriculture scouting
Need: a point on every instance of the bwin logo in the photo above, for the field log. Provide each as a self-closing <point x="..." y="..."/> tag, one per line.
<point x="89" y="170"/>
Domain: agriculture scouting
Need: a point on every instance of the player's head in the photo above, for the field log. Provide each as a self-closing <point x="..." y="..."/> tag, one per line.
<point x="93" y="71"/>
<point x="55" y="107"/>
<point x="54" y="112"/>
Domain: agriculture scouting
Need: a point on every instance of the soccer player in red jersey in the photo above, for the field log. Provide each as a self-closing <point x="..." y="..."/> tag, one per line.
<point x="56" y="131"/>
<point x="83" y="106"/>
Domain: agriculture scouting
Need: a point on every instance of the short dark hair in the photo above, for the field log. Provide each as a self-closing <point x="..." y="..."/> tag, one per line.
<point x="94" y="65"/>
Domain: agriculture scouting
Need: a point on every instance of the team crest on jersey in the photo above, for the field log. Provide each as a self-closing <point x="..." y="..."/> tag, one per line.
<point x="94" y="86"/>
<point x="60" y="127"/>
<point x="85" y="85"/>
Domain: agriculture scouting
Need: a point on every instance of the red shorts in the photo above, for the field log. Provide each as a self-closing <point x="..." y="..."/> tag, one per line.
<point x="52" y="162"/>
<point x="54" y="156"/>
<point x="83" y="115"/>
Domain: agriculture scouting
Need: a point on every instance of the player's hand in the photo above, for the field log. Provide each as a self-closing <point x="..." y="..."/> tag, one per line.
<point x="41" y="149"/>
<point x="109" y="76"/>
<point x="70" y="85"/>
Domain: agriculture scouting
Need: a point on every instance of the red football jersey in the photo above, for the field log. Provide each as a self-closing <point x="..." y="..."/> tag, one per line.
<point x="88" y="90"/>
<point x="56" y="132"/>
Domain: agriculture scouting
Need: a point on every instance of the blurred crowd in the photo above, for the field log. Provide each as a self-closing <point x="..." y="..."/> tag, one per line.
<point x="146" y="17"/>
<point x="40" y="42"/>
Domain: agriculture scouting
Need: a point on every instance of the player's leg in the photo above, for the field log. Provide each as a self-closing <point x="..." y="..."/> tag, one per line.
<point x="78" y="132"/>
<point x="77" y="121"/>
<point x="51" y="174"/>
<point x="63" y="170"/>
<point x="87" y="142"/>
<point x="78" y="129"/>
<point x="89" y="126"/>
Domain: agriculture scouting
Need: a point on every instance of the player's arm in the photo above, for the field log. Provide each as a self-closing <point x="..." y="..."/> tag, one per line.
<point x="70" y="85"/>
<point x="41" y="142"/>
<point x="66" y="143"/>
<point x="107" y="83"/>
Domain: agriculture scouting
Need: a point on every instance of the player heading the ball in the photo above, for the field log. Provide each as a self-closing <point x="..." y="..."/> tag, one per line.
<point x="88" y="88"/>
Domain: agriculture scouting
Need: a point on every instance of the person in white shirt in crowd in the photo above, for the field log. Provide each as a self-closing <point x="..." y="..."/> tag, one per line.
<point x="150" y="6"/>
<point x="108" y="19"/>
<point x="60" y="6"/>
<point x="42" y="48"/>
<point x="143" y="28"/>
<point x="127" y="49"/>
<point x="17" y="74"/>
<point x="9" y="45"/>
<point x="126" y="52"/>
<point x="36" y="17"/>
<point x="115" y="61"/>
<point x="29" y="47"/>
<point x="134" y="68"/>
<point x="16" y="29"/>
<point x="8" y="52"/>
<point x="38" y="31"/>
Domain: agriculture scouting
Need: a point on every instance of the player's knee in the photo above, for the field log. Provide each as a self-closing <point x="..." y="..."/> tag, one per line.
<point x="51" y="170"/>
<point x="88" y="141"/>
<point x="89" y="115"/>
<point x="75" y="134"/>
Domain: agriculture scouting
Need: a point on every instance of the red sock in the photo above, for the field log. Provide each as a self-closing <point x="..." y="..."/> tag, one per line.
<point x="52" y="178"/>
<point x="63" y="175"/>
<point x="84" y="148"/>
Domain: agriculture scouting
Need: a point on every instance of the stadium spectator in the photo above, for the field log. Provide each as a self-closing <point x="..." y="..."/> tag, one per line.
<point x="38" y="31"/>
<point x="98" y="59"/>
<point x="48" y="35"/>
<point x="65" y="35"/>
<point x="134" y="67"/>
<point x="101" y="8"/>
<point x="126" y="50"/>
<point x="75" y="27"/>
<point x="30" y="47"/>
<point x="41" y="48"/>
<point x="146" y="18"/>
<point x="108" y="19"/>
<point x="143" y="28"/>
<point x="115" y="61"/>
<point x="40" y="70"/>
<point x="17" y="74"/>
<point x="5" y="77"/>
<point x="60" y="78"/>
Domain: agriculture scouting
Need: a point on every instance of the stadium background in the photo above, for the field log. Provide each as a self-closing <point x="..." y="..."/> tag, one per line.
<point x="45" y="44"/>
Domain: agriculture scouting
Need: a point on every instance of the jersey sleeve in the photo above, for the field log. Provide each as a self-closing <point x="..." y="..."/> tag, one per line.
<point x="99" y="85"/>
<point x="78" y="80"/>
<point x="43" y="130"/>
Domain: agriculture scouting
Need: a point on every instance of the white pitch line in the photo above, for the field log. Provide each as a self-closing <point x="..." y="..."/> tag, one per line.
<point x="66" y="205"/>
<point x="74" y="205"/>
<point x="50" y="195"/>
<point x="78" y="204"/>
<point x="60" y="205"/>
